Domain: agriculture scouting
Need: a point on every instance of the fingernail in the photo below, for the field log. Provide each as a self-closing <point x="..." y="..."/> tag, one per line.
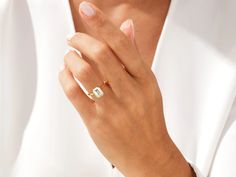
<point x="125" y="25"/>
<point x="132" y="29"/>
<point x="70" y="36"/>
<point x="70" y="48"/>
<point x="87" y="9"/>
<point x="128" y="27"/>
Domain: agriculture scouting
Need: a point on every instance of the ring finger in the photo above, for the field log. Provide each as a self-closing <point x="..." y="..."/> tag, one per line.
<point x="107" y="63"/>
<point x="85" y="74"/>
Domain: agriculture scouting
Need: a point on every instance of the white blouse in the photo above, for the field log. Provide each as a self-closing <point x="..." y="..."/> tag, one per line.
<point x="42" y="135"/>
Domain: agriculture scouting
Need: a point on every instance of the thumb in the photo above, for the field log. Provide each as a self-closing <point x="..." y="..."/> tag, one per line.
<point x="127" y="27"/>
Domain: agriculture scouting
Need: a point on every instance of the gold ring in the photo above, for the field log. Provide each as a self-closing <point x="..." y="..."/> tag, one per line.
<point x="97" y="91"/>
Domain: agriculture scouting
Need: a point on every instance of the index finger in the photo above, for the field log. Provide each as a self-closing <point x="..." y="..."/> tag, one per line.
<point x="114" y="37"/>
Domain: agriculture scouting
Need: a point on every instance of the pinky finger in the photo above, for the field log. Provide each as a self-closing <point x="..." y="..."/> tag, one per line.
<point x="83" y="104"/>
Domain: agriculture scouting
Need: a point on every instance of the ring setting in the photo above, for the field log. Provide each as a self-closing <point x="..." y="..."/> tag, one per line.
<point x="97" y="91"/>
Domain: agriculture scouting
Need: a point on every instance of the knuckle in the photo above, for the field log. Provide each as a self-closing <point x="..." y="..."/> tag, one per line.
<point x="101" y="51"/>
<point x="120" y="41"/>
<point x="100" y="21"/>
<point x="71" y="90"/>
<point x="83" y="73"/>
<point x="150" y="77"/>
<point x="74" y="37"/>
<point x="68" y="56"/>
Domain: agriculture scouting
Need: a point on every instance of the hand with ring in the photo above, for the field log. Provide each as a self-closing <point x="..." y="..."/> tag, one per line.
<point x="125" y="117"/>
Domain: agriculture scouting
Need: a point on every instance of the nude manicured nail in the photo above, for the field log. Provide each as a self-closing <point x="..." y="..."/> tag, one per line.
<point x="128" y="28"/>
<point x="71" y="49"/>
<point x="126" y="25"/>
<point x="87" y="9"/>
<point x="69" y="36"/>
<point x="132" y="29"/>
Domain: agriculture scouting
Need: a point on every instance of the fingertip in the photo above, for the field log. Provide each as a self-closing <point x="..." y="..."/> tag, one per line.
<point x="87" y="9"/>
<point x="128" y="28"/>
<point x="126" y="24"/>
<point x="70" y="36"/>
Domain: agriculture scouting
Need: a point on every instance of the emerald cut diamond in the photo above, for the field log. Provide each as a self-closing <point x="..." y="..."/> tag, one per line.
<point x="98" y="92"/>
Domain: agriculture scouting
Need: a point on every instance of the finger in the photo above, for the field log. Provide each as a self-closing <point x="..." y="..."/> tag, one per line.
<point x="85" y="74"/>
<point x="118" y="42"/>
<point x="83" y="104"/>
<point x="127" y="27"/>
<point x="106" y="62"/>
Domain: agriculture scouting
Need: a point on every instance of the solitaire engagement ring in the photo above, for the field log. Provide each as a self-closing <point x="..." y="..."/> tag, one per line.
<point x="97" y="91"/>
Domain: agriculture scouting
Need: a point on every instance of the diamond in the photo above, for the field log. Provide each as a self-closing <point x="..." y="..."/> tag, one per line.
<point x="98" y="92"/>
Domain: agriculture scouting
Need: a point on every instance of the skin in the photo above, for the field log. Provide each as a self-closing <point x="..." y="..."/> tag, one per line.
<point x="148" y="17"/>
<point x="127" y="124"/>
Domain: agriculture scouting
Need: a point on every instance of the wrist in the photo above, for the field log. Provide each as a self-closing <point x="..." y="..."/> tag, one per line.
<point x="153" y="161"/>
<point x="164" y="160"/>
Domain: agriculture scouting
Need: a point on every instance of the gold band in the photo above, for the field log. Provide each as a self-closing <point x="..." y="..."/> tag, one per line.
<point x="97" y="91"/>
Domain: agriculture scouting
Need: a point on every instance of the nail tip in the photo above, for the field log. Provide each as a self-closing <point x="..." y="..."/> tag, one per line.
<point x="72" y="49"/>
<point x="70" y="36"/>
<point x="127" y="24"/>
<point x="87" y="9"/>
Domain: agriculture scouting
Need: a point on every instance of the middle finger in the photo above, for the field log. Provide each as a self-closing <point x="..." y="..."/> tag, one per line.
<point x="107" y="63"/>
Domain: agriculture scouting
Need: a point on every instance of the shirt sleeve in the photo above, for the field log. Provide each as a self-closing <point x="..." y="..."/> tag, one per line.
<point x="116" y="173"/>
<point x="225" y="157"/>
<point x="15" y="107"/>
<point x="195" y="168"/>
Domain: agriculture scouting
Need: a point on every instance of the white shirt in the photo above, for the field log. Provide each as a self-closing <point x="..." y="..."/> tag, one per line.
<point x="41" y="134"/>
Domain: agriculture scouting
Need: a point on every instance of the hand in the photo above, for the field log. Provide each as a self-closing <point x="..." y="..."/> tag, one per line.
<point x="127" y="123"/>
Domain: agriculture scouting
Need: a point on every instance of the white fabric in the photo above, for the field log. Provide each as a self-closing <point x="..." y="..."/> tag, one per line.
<point x="41" y="134"/>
